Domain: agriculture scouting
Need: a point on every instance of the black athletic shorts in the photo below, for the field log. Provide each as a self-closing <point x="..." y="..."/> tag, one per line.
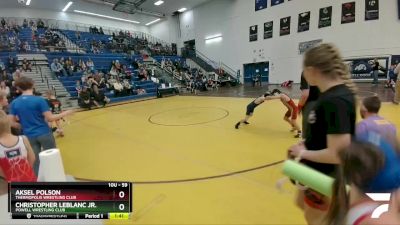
<point x="250" y="108"/>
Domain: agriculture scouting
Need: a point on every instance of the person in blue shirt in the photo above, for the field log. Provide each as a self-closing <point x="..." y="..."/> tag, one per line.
<point x="33" y="114"/>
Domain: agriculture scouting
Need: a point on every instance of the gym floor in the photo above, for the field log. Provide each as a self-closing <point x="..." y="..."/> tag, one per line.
<point x="188" y="163"/>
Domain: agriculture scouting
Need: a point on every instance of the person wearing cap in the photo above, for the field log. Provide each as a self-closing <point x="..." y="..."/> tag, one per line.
<point x="251" y="107"/>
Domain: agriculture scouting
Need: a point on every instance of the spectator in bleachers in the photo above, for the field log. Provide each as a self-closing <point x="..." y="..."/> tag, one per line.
<point x="135" y="64"/>
<point x="16" y="75"/>
<point x="90" y="64"/>
<point x="101" y="80"/>
<point x="95" y="49"/>
<point x="99" y="97"/>
<point x="127" y="87"/>
<point x="34" y="29"/>
<point x="116" y="86"/>
<point x="114" y="71"/>
<point x="69" y="66"/>
<point x="14" y="92"/>
<point x="26" y="65"/>
<point x="4" y="88"/>
<point x="118" y="66"/>
<point x="31" y="23"/>
<point x="162" y="63"/>
<point x="12" y="64"/>
<point x="57" y="68"/>
<point x="15" y="28"/>
<point x="81" y="65"/>
<point x="127" y="73"/>
<point x="142" y="74"/>
<point x="2" y="66"/>
<point x="62" y="61"/>
<point x="78" y="86"/>
<point x="78" y="35"/>
<point x="5" y="77"/>
<point x="25" y="23"/>
<point x="3" y="22"/>
<point x="101" y="31"/>
<point x="40" y="24"/>
<point x="27" y="47"/>
<point x="84" y="98"/>
<point x="140" y="91"/>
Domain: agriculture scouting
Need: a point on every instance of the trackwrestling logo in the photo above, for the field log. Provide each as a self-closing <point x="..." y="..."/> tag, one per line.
<point x="380" y="197"/>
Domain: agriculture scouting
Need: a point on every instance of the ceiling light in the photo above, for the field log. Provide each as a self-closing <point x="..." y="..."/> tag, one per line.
<point x="213" y="36"/>
<point x="182" y="10"/>
<point x="104" y="16"/>
<point x="28" y="2"/>
<point x="217" y="39"/>
<point x="158" y="2"/>
<point x="67" y="6"/>
<point x="154" y="21"/>
<point x="108" y="3"/>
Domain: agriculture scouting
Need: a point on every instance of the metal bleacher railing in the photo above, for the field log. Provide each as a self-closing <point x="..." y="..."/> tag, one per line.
<point x="208" y="64"/>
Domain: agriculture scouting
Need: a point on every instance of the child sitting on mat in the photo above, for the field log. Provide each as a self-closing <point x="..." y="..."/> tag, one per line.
<point x="16" y="155"/>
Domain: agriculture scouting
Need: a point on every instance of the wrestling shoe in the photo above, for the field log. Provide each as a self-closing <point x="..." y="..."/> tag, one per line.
<point x="237" y="125"/>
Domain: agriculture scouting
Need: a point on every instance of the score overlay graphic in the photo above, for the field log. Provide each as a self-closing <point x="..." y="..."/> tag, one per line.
<point x="70" y="200"/>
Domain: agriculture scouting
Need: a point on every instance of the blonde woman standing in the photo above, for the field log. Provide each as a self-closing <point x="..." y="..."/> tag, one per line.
<point x="330" y="123"/>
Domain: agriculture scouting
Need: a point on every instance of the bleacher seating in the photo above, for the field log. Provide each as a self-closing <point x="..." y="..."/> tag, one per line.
<point x="4" y="57"/>
<point x="102" y="62"/>
<point x="86" y="38"/>
<point x="172" y="58"/>
<point x="25" y="34"/>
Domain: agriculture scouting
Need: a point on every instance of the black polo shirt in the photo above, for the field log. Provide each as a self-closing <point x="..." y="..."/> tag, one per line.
<point x="333" y="113"/>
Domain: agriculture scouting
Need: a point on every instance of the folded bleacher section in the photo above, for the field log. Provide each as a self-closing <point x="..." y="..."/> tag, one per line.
<point x="102" y="63"/>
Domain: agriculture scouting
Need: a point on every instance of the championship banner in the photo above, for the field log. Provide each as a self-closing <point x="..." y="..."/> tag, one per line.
<point x="361" y="68"/>
<point x="285" y="26"/>
<point x="253" y="35"/>
<point x="304" y="46"/>
<point x="325" y="17"/>
<point x="304" y="22"/>
<point x="268" y="29"/>
<point x="261" y="4"/>
<point x="276" y="2"/>
<point x="348" y="12"/>
<point x="371" y="9"/>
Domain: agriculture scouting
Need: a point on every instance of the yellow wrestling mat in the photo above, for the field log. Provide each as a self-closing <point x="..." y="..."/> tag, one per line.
<point x="189" y="163"/>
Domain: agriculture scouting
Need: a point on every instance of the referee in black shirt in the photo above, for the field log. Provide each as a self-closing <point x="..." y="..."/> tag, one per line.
<point x="309" y="94"/>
